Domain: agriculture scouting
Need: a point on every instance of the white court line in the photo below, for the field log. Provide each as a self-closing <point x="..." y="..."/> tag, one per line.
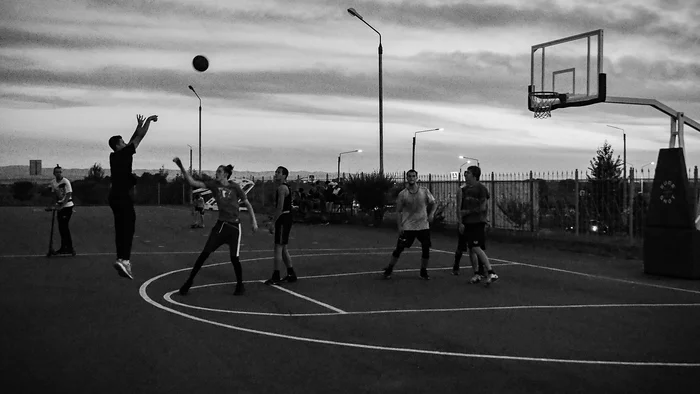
<point x="199" y="251"/>
<point x="303" y="297"/>
<point x="143" y="293"/>
<point x="631" y="282"/>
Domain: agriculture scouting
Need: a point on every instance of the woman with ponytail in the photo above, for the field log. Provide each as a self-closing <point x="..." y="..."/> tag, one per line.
<point x="227" y="229"/>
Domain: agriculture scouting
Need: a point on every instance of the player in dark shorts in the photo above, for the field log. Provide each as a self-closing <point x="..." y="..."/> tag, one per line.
<point x="227" y="229"/>
<point x="415" y="207"/>
<point x="282" y="220"/>
<point x="472" y="209"/>
<point x="121" y="190"/>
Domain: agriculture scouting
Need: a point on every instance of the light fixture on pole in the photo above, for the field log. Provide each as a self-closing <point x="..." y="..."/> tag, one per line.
<point x="641" y="172"/>
<point x="200" y="128"/>
<point x="468" y="160"/>
<point x="413" y="154"/>
<point x="342" y="153"/>
<point x="354" y="13"/>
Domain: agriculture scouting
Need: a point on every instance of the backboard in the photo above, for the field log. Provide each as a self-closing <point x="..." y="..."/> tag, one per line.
<point x="570" y="66"/>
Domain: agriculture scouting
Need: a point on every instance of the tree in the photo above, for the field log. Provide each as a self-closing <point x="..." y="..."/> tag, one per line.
<point x="603" y="200"/>
<point x="371" y="192"/>
<point x="96" y="173"/>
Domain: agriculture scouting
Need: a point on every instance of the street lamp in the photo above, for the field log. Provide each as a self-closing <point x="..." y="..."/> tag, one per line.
<point x="342" y="153"/>
<point x="413" y="155"/>
<point x="190" y="158"/>
<point x="381" y="104"/>
<point x="200" y="129"/>
<point x="641" y="172"/>
<point x="624" y="160"/>
<point x="469" y="160"/>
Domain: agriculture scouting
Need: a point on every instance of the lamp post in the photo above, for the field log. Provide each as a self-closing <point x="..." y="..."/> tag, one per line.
<point x="469" y="160"/>
<point x="342" y="153"/>
<point x="641" y="172"/>
<point x="190" y="158"/>
<point x="381" y="104"/>
<point x="624" y="161"/>
<point x="200" y="129"/>
<point x="413" y="154"/>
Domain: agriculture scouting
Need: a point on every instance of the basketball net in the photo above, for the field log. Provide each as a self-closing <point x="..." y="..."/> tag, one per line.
<point x="542" y="103"/>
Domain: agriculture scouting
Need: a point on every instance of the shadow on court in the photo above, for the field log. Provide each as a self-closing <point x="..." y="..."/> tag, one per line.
<point x="554" y="322"/>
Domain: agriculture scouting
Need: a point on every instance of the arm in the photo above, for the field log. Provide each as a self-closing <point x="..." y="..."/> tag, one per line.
<point x="141" y="129"/>
<point x="432" y="206"/>
<point x="399" y="209"/>
<point x="244" y="199"/>
<point x="193" y="182"/>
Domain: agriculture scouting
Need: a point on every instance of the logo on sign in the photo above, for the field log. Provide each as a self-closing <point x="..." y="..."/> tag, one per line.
<point x="667" y="188"/>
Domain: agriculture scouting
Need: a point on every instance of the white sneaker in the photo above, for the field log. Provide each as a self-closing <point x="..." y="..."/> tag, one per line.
<point x="475" y="279"/>
<point x="123" y="268"/>
<point x="493" y="277"/>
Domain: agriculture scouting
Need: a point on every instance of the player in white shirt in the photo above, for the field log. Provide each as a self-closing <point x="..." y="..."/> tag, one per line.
<point x="415" y="207"/>
<point x="64" y="207"/>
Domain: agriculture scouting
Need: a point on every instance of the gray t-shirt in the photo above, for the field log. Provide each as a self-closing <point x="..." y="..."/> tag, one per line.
<point x="414" y="208"/>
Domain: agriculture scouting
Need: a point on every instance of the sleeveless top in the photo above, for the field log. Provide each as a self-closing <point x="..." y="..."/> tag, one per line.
<point x="287" y="203"/>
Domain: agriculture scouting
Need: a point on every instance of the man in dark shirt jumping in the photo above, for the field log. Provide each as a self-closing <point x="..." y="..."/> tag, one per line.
<point x="120" y="192"/>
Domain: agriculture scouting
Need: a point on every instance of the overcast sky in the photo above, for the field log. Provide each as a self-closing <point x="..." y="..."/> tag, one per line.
<point x="295" y="83"/>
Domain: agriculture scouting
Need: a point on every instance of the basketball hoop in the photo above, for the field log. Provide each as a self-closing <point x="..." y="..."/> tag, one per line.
<point x="542" y="103"/>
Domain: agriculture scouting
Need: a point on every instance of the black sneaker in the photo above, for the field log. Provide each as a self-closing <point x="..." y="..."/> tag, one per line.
<point x="387" y="272"/>
<point x="240" y="289"/>
<point x="424" y="274"/>
<point x="185" y="287"/>
<point x="290" y="278"/>
<point x="275" y="280"/>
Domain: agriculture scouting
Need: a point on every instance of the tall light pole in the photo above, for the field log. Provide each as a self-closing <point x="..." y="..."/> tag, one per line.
<point x="190" y="158"/>
<point x="200" y="129"/>
<point x="624" y="161"/>
<point x="381" y="104"/>
<point x="413" y="155"/>
<point x="342" y="153"/>
<point x="469" y="160"/>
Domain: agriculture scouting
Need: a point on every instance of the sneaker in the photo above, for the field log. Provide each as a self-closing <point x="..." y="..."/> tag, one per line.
<point x="475" y="279"/>
<point x="240" y="289"/>
<point x="186" y="287"/>
<point x="387" y="272"/>
<point x="424" y="274"/>
<point x="123" y="268"/>
<point x="455" y="270"/>
<point x="492" y="277"/>
<point x="290" y="278"/>
<point x="275" y="280"/>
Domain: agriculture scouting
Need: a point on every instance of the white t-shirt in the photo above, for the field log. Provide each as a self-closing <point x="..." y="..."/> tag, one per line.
<point x="61" y="188"/>
<point x="414" y="208"/>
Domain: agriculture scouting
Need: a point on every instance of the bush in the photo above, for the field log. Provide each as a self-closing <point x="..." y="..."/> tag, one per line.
<point x="371" y="191"/>
<point x="23" y="190"/>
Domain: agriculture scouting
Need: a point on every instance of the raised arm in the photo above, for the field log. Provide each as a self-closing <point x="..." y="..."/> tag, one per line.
<point x="193" y="182"/>
<point x="141" y="129"/>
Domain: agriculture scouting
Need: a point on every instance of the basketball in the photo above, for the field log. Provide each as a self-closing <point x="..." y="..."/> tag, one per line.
<point x="200" y="63"/>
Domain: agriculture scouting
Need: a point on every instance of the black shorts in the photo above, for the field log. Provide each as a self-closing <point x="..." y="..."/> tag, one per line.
<point x="199" y="209"/>
<point x="474" y="235"/>
<point x="406" y="240"/>
<point x="224" y="233"/>
<point x="283" y="226"/>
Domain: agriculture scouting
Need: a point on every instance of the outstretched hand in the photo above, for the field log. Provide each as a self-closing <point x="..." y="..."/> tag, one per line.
<point x="139" y="120"/>
<point x="152" y="118"/>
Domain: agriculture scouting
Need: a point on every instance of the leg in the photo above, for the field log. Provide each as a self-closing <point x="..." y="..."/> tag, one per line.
<point x="213" y="243"/>
<point x="461" y="248"/>
<point x="424" y="238"/>
<point x="277" y="254"/>
<point x="405" y="241"/>
<point x="64" y="216"/>
<point x="129" y="227"/>
<point x="118" y="225"/>
<point x="287" y="259"/>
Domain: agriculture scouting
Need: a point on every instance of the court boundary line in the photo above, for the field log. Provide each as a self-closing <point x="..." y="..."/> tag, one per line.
<point x="143" y="293"/>
<point x="303" y="297"/>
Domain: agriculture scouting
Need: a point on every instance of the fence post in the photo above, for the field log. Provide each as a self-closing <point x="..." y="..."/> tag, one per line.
<point x="631" y="202"/>
<point x="493" y="201"/>
<point x="532" y="203"/>
<point x="578" y="199"/>
<point x="430" y="182"/>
